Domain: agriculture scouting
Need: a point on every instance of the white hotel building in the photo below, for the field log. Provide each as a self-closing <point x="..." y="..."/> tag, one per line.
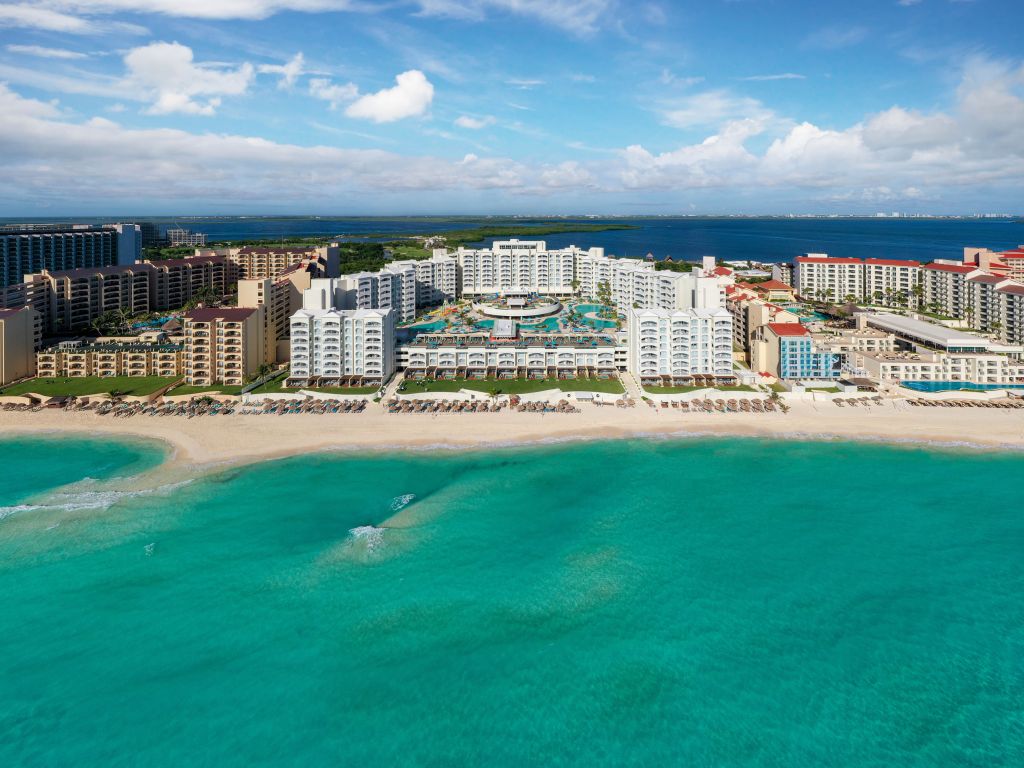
<point x="518" y="266"/>
<point x="332" y="346"/>
<point x="681" y="347"/>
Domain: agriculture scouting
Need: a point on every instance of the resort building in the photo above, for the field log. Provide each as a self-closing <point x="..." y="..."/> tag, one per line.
<point x="521" y="266"/>
<point x="223" y="346"/>
<point x="176" y="281"/>
<point x="258" y="263"/>
<point x="783" y="273"/>
<point x="341" y="347"/>
<point x="524" y="357"/>
<point x="280" y="297"/>
<point x="926" y="366"/>
<point x="787" y="351"/>
<point x="1006" y="264"/>
<point x="33" y="249"/>
<point x="681" y="347"/>
<point x="179" y="236"/>
<point x="945" y="287"/>
<point x="820" y="276"/>
<point x="750" y="312"/>
<point x="1011" y="313"/>
<point x="892" y="282"/>
<point x="919" y="333"/>
<point x="69" y="300"/>
<point x="77" y="358"/>
<point x="20" y="335"/>
<point x="437" y="279"/>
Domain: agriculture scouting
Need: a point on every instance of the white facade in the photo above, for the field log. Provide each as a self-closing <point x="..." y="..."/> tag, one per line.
<point x="891" y="282"/>
<point x="437" y="279"/>
<point x="526" y="357"/>
<point x="820" y="276"/>
<point x="680" y="345"/>
<point x="510" y="266"/>
<point x="942" y="366"/>
<point x="337" y="344"/>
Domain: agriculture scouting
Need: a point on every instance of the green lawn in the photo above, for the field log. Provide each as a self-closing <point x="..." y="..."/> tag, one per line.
<point x="410" y="252"/>
<point x="831" y="390"/>
<point x="188" y="389"/>
<point x="90" y="385"/>
<point x="277" y="385"/>
<point x="682" y="390"/>
<point x="514" y="386"/>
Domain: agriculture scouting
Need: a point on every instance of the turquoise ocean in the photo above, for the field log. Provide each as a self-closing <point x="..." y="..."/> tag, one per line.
<point x="701" y="602"/>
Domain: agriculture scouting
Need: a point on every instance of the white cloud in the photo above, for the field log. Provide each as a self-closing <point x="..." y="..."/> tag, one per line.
<point x="37" y="16"/>
<point x="474" y="123"/>
<point x="290" y="71"/>
<point x="767" y="78"/>
<point x="835" y="37"/>
<point x="200" y="9"/>
<point x="581" y="17"/>
<point x="712" y="108"/>
<point x="410" y="97"/>
<point x="524" y="83"/>
<point x="46" y="53"/>
<point x="167" y="74"/>
<point x="323" y="89"/>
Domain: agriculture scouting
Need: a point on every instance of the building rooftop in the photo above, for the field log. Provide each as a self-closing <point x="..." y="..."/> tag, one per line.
<point x="522" y="342"/>
<point x="77" y="274"/>
<point x="825" y="260"/>
<point x="931" y="334"/>
<point x="788" y="329"/>
<point x="892" y="263"/>
<point x="219" y="313"/>
<point x="958" y="268"/>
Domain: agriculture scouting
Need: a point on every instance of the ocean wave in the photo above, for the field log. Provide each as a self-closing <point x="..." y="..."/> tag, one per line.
<point x="76" y="498"/>
<point x="401" y="502"/>
<point x="370" y="537"/>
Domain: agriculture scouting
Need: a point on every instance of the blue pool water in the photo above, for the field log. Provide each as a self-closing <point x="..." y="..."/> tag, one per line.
<point x="947" y="386"/>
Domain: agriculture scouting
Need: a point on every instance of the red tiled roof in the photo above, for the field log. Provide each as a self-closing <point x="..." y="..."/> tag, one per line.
<point x="961" y="269"/>
<point x="788" y="329"/>
<point x="892" y="263"/>
<point x="983" y="278"/>
<point x="775" y="285"/>
<point x="820" y="260"/>
<point x="721" y="271"/>
<point x="1015" y="288"/>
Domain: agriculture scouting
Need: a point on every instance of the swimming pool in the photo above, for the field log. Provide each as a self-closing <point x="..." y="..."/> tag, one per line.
<point x="948" y="386"/>
<point x="597" y="324"/>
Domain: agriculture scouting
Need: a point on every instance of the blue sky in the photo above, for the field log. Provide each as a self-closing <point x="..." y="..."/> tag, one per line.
<point x="511" y="106"/>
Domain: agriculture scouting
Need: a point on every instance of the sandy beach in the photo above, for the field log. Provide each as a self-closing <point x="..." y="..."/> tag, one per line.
<point x="240" y="439"/>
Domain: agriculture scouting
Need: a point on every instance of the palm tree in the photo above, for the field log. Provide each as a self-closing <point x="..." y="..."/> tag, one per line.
<point x="878" y="295"/>
<point x="918" y="292"/>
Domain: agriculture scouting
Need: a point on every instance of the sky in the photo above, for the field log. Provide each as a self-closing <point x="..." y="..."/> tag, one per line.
<point x="535" y="107"/>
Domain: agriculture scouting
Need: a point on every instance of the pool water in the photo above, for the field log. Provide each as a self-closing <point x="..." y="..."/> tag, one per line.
<point x="597" y="324"/>
<point x="946" y="386"/>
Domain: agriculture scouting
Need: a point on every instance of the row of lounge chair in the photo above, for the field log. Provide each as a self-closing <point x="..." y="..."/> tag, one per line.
<point x="921" y="402"/>
<point x="855" y="401"/>
<point x="442" y="406"/>
<point x="742" y="405"/>
<point x="315" y="406"/>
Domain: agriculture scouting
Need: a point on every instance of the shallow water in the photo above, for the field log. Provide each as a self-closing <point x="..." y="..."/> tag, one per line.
<point x="700" y="602"/>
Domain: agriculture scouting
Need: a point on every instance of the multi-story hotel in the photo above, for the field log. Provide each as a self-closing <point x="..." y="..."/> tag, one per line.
<point x="891" y="281"/>
<point x="749" y="312"/>
<point x="437" y="279"/>
<point x="515" y="266"/>
<point x="176" y="281"/>
<point x="945" y="287"/>
<point x="71" y="359"/>
<point x="1006" y="264"/>
<point x="258" y="263"/>
<point x="820" y="276"/>
<point x="73" y="299"/>
<point x="178" y="236"/>
<point x="787" y="351"/>
<point x="332" y="346"/>
<point x="535" y="357"/>
<point x="223" y="346"/>
<point x="681" y="347"/>
<point x="34" y="249"/>
<point x="20" y="335"/>
<point x="281" y="297"/>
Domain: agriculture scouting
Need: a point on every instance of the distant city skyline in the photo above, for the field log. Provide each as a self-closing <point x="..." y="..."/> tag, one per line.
<point x="569" y="107"/>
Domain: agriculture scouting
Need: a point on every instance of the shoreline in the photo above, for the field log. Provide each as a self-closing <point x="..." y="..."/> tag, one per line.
<point x="209" y="442"/>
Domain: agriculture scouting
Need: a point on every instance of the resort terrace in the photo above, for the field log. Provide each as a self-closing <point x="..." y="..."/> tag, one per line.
<point x="436" y="341"/>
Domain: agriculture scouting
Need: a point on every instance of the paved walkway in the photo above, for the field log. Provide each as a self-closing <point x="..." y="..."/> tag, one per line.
<point x="631" y="385"/>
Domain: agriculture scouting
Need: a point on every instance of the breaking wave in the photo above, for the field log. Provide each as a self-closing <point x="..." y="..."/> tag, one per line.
<point x="401" y="502"/>
<point x="77" y="498"/>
